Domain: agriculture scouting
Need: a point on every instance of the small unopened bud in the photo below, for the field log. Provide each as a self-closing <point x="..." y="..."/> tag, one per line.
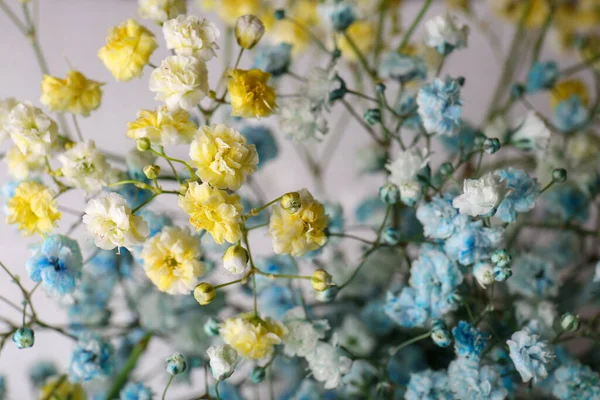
<point x="461" y="80"/>
<point x="257" y="374"/>
<point x="391" y="236"/>
<point x="183" y="188"/>
<point x="484" y="273"/>
<point x="176" y="364"/>
<point x="380" y="88"/>
<point x="151" y="171"/>
<point x="491" y="145"/>
<point x="211" y="327"/>
<point x="373" y="116"/>
<point x="440" y="334"/>
<point x="517" y="90"/>
<point x="501" y="257"/>
<point x="143" y="144"/>
<point x="290" y="202"/>
<point x="279" y="14"/>
<point x="479" y="140"/>
<point x="389" y="193"/>
<point x="320" y="280"/>
<point x="569" y="322"/>
<point x="559" y="175"/>
<point x="23" y="337"/>
<point x="446" y="169"/>
<point x="249" y="29"/>
<point x="501" y="274"/>
<point x="235" y="259"/>
<point x="205" y="293"/>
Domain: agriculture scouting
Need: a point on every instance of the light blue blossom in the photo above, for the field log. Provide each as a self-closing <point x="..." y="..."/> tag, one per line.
<point x="261" y="137"/>
<point x="439" y="217"/>
<point x="275" y="301"/>
<point x="375" y="318"/>
<point x="472" y="242"/>
<point x="359" y="379"/>
<point x="428" y="385"/>
<point x="136" y="391"/>
<point x="274" y="59"/>
<point x="108" y="263"/>
<point x="176" y="364"/>
<point x="568" y="202"/>
<point x="404" y="309"/>
<point x="530" y="355"/>
<point x="533" y="277"/>
<point x="57" y="263"/>
<point x="409" y="110"/>
<point x="40" y="371"/>
<point x="134" y="195"/>
<point x="340" y="14"/>
<point x="576" y="381"/>
<point x="156" y="221"/>
<point x="24" y="337"/>
<point x="523" y="192"/>
<point x="440" y="106"/>
<point x="469" y="381"/>
<point x="570" y="114"/>
<point x="461" y="143"/>
<point x="440" y="334"/>
<point x="90" y="300"/>
<point x="91" y="359"/>
<point x="371" y="210"/>
<point x="401" y="67"/>
<point x="469" y="341"/>
<point x="542" y="76"/>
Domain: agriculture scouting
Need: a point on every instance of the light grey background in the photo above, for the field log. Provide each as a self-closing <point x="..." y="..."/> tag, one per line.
<point x="71" y="33"/>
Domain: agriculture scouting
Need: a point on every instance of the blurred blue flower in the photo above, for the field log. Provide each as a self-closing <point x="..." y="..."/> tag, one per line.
<point x="40" y="371"/>
<point x="409" y="110"/>
<point x="276" y="264"/>
<point x="440" y="106"/>
<point x="375" y="318"/>
<point x="472" y="242"/>
<point x="461" y="143"/>
<point x="470" y="381"/>
<point x="362" y="375"/>
<point x="438" y="217"/>
<point x="401" y="365"/>
<point x="428" y="385"/>
<point x="568" y="202"/>
<point x="523" y="193"/>
<point x="92" y="358"/>
<point x="405" y="309"/>
<point x="339" y="13"/>
<point x="570" y="114"/>
<point x="469" y="341"/>
<point x="273" y="58"/>
<point x="542" y="76"/>
<point x="533" y="277"/>
<point x="275" y="301"/>
<point x="401" y="67"/>
<point x="576" y="381"/>
<point x="136" y="391"/>
<point x="261" y="137"/>
<point x="156" y="221"/>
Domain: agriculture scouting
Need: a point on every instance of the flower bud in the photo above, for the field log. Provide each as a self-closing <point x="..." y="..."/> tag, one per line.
<point x="569" y="322"/>
<point x="211" y="327"/>
<point x="176" y="364"/>
<point x="501" y="274"/>
<point x="23" y="337"/>
<point x="249" y="29"/>
<point x="501" y="257"/>
<point x="559" y="175"/>
<point x="279" y="14"/>
<point x="204" y="293"/>
<point x="235" y="259"/>
<point x="373" y="116"/>
<point x="341" y="16"/>
<point x="223" y="360"/>
<point x="390" y="236"/>
<point x="517" y="90"/>
<point x="328" y="295"/>
<point x="380" y="88"/>
<point x="461" y="80"/>
<point x="440" y="334"/>
<point x="479" y="140"/>
<point x="257" y="374"/>
<point x="483" y="273"/>
<point x="389" y="193"/>
<point x="143" y="144"/>
<point x="491" y="145"/>
<point x="291" y="203"/>
<point x="446" y="169"/>
<point x="151" y="171"/>
<point x="320" y="280"/>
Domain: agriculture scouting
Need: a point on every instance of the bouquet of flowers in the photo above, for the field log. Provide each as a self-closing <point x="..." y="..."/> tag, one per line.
<point x="468" y="270"/>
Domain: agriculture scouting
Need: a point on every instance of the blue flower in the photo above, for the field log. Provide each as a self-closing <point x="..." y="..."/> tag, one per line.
<point x="362" y="375"/>
<point x="275" y="301"/>
<point x="136" y="391"/>
<point x="156" y="221"/>
<point x="401" y="67"/>
<point x="542" y="76"/>
<point x="92" y="358"/>
<point x="90" y="305"/>
<point x="341" y="14"/>
<point x="41" y="371"/>
<point x="533" y="277"/>
<point x="134" y="195"/>
<point x="461" y="143"/>
<point x="274" y="59"/>
<point x="570" y="114"/>
<point x="439" y="217"/>
<point x="24" y="337"/>
<point x="469" y="381"/>
<point x="261" y="137"/>
<point x="375" y="319"/>
<point x="371" y="210"/>
<point x="408" y="108"/>
<point x="472" y="242"/>
<point x="530" y="355"/>
<point x="176" y="364"/>
<point x="469" y="342"/>
<point x="227" y="391"/>
<point x="57" y="262"/>
<point x="335" y="212"/>
<point x="568" y="202"/>
<point x="524" y="191"/>
<point x="307" y="390"/>
<point x="404" y="308"/>
<point x="428" y="385"/>
<point x="440" y="106"/>
<point x="576" y="381"/>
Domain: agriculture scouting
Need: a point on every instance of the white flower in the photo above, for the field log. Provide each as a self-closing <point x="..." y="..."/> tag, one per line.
<point x="480" y="196"/>
<point x="32" y="130"/>
<point x="249" y="29"/>
<point x="484" y="273"/>
<point x="222" y="361"/>
<point x="407" y="164"/>
<point x="445" y="33"/>
<point x="319" y="84"/>
<point x="302" y="335"/>
<point x="328" y="364"/>
<point x="180" y="81"/>
<point x="354" y="336"/>
<point x="532" y="134"/>
<point x="23" y="165"/>
<point x="530" y="355"/>
<point x="160" y="11"/>
<point x="410" y="192"/>
<point x="541" y="315"/>
<point x="6" y="107"/>
<point x="192" y="36"/>
<point x="300" y="122"/>
<point x="235" y="259"/>
<point x="84" y="167"/>
<point x="109" y="220"/>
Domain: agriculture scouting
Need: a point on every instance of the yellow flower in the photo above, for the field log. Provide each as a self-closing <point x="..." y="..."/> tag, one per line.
<point x="300" y="232"/>
<point x="128" y="49"/>
<point x="362" y="33"/>
<point x="222" y="157"/>
<point x="304" y="13"/>
<point x="578" y="15"/>
<point x="65" y="390"/>
<point x="251" y="96"/>
<point x="22" y="165"/>
<point x="461" y="5"/>
<point x="33" y="208"/>
<point x="75" y="94"/>
<point x="162" y="127"/>
<point x="563" y="90"/>
<point x="214" y="210"/>
<point x="591" y="49"/>
<point x="230" y="10"/>
<point x="512" y="10"/>
<point x="172" y="260"/>
<point x="251" y="336"/>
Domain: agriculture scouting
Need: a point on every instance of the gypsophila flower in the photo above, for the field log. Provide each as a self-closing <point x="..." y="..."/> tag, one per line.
<point x="532" y="134"/>
<point x="361" y="377"/>
<point x="428" y="384"/>
<point x="522" y="193"/>
<point x="401" y="67"/>
<point x="33" y="208"/>
<point x="223" y="360"/>
<point x="23" y="337"/>
<point x="480" y="196"/>
<point x="570" y="114"/>
<point x="362" y="33"/>
<point x="251" y="96"/>
<point x="275" y="301"/>
<point x="405" y="309"/>
<point x="176" y="364"/>
<point x="469" y="342"/>
<point x="109" y="220"/>
<point x="301" y="335"/>
<point x="160" y="11"/>
<point x="300" y="121"/>
<point x="235" y="259"/>
<point x="530" y="355"/>
<point x="483" y="273"/>
<point x="576" y="381"/>
<point x="180" y="81"/>
<point x="328" y="364"/>
<point x="339" y="14"/>
<point x="136" y="391"/>
<point x="85" y="167"/>
<point x="534" y="277"/>
<point x="251" y="336"/>
<point x="75" y="94"/>
<point x="262" y="138"/>
<point x="192" y="36"/>
<point x="470" y="381"/>
<point x="22" y="166"/>
<point x="274" y="59"/>
<point x="91" y="359"/>
<point x="354" y="336"/>
<point x="438" y="217"/>
<point x="440" y="106"/>
<point x="162" y="127"/>
<point x="542" y="76"/>
<point x="471" y="241"/>
<point x="6" y="106"/>
<point x="320" y="83"/>
<point x="32" y="130"/>
<point x="445" y="34"/>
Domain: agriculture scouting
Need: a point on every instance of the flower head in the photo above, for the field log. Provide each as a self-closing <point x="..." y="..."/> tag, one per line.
<point x="470" y="381"/>
<point x="523" y="192"/>
<point x="530" y="355"/>
<point x="362" y="34"/>
<point x="32" y="130"/>
<point x="251" y="96"/>
<point x="222" y="361"/>
<point x="249" y="29"/>
<point x="576" y="381"/>
<point x="301" y="335"/>
<point x="75" y="94"/>
<point x="180" y="81"/>
<point x="135" y="391"/>
<point x="568" y="88"/>
<point x="428" y="384"/>
<point x="128" y="49"/>
<point x="160" y="11"/>
<point x="445" y="34"/>
<point x="23" y="165"/>
<point x="33" y="208"/>
<point x="404" y="169"/>
<point x="438" y="217"/>
<point x="6" y="105"/>
<point x="300" y="232"/>
<point x="300" y="121"/>
<point x="532" y="134"/>
<point x="328" y="364"/>
<point x="110" y="221"/>
<point x="172" y="260"/>
<point x="222" y="157"/>
<point x="480" y="196"/>
<point x="24" y="337"/>
<point x="251" y="336"/>
<point x="262" y="138"/>
<point x="214" y="210"/>
<point x="235" y="259"/>
<point x="192" y="36"/>
<point x="440" y="106"/>
<point x="91" y="359"/>
<point x="541" y="76"/>
<point x="176" y="364"/>
<point x="274" y="59"/>
<point x="162" y="127"/>
<point x="85" y="167"/>
<point x="534" y="277"/>
<point x="470" y="241"/>
<point x="57" y="263"/>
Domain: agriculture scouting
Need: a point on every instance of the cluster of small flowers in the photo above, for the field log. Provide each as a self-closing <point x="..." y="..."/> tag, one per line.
<point x="449" y="298"/>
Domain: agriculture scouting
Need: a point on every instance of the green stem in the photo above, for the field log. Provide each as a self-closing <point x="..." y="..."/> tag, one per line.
<point x="217" y="390"/>
<point x="346" y="235"/>
<point x="230" y="283"/>
<point x="13" y="17"/>
<point x="55" y="387"/>
<point x="360" y="120"/>
<point x="413" y="26"/>
<point x="396" y="349"/>
<point x="239" y="58"/>
<point x="361" y="57"/>
<point x="537" y="48"/>
<point x="77" y="128"/>
<point x="167" y="387"/>
<point x="144" y="203"/>
<point x="129" y="366"/>
<point x="578" y="67"/>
